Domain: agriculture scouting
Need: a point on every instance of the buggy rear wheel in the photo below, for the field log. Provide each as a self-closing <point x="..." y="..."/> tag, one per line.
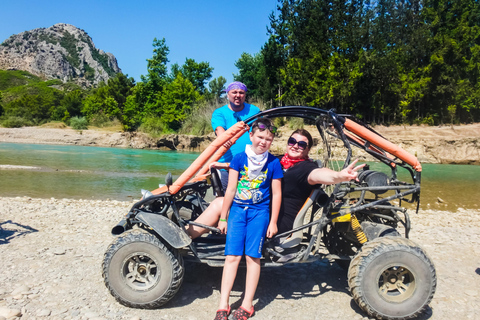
<point x="140" y="271"/>
<point x="392" y="278"/>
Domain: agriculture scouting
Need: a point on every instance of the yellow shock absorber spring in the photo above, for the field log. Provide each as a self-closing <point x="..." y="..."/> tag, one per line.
<point x="357" y="229"/>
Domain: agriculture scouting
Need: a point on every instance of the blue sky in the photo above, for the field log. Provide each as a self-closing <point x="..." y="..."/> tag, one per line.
<point x="204" y="30"/>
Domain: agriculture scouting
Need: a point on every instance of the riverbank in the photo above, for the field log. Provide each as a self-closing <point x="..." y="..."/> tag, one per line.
<point x="445" y="144"/>
<point x="52" y="254"/>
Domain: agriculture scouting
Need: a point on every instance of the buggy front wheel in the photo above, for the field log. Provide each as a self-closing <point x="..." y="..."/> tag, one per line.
<point x="140" y="271"/>
<point x="392" y="278"/>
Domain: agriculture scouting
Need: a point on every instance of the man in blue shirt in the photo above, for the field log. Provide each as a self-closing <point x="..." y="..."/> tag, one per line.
<point x="226" y="116"/>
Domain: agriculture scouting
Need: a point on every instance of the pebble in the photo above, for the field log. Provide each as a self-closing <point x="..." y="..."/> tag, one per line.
<point x="43" y="313"/>
<point x="20" y="290"/>
<point x="9" y="313"/>
<point x="59" y="251"/>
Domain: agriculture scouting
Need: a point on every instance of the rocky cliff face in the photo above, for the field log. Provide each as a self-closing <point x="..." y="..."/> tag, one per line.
<point x="60" y="52"/>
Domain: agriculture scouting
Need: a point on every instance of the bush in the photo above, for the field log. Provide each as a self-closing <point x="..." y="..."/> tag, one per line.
<point x="100" y="120"/>
<point x="198" y="122"/>
<point x="154" y="126"/>
<point x="279" y="122"/>
<point x="79" y="123"/>
<point x="16" y="122"/>
<point x="295" y="123"/>
<point x="196" y="126"/>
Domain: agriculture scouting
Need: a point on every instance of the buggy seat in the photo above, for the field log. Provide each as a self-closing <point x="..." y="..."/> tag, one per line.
<point x="295" y="238"/>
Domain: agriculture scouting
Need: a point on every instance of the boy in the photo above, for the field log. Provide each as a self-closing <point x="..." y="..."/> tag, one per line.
<point x="253" y="176"/>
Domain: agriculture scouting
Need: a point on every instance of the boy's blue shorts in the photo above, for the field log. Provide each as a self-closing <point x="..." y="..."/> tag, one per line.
<point x="246" y="231"/>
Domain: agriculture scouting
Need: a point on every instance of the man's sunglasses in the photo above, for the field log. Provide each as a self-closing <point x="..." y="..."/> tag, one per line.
<point x="301" y="144"/>
<point x="263" y="127"/>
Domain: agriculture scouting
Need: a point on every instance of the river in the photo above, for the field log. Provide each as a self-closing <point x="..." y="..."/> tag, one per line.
<point x="80" y="172"/>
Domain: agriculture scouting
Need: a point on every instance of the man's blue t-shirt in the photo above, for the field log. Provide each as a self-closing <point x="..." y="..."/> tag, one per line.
<point x="225" y="117"/>
<point x="255" y="191"/>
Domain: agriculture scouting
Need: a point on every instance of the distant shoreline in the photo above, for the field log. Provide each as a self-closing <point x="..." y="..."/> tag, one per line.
<point x="446" y="144"/>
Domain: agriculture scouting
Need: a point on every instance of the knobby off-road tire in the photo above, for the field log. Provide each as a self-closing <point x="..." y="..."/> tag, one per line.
<point x="140" y="271"/>
<point x="392" y="278"/>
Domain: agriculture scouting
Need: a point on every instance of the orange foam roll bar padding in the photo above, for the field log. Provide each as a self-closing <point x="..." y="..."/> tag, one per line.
<point x="220" y="152"/>
<point x="371" y="147"/>
<point x="234" y="132"/>
<point x="383" y="143"/>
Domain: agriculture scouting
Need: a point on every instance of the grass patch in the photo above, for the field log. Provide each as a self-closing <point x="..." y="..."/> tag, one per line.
<point x="198" y="122"/>
<point x="296" y="123"/>
<point x="154" y="127"/>
<point x="54" y="125"/>
<point x="109" y="126"/>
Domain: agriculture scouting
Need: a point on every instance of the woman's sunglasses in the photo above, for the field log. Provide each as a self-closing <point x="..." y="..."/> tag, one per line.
<point x="263" y="127"/>
<point x="301" y="144"/>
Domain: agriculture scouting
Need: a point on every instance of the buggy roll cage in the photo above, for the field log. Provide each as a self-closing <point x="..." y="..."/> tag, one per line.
<point x="341" y="126"/>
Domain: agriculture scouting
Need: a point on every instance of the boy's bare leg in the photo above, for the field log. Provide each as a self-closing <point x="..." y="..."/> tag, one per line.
<point x="253" y="275"/>
<point x="209" y="217"/>
<point x="228" y="278"/>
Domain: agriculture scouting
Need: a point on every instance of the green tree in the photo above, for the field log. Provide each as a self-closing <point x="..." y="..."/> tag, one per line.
<point x="274" y="60"/>
<point x="198" y="73"/>
<point x="157" y="65"/>
<point x="157" y="75"/>
<point x="132" y="115"/>
<point x="30" y="107"/>
<point x="72" y="104"/>
<point x="120" y="87"/>
<point x="175" y="102"/>
<point x="109" y="101"/>
<point x="101" y="103"/>
<point x="217" y="87"/>
<point x="249" y="67"/>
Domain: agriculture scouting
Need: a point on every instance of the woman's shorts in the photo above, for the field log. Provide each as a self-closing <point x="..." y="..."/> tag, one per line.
<point x="246" y="231"/>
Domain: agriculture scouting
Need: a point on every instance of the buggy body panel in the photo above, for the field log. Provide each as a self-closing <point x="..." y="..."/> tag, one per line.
<point x="166" y="229"/>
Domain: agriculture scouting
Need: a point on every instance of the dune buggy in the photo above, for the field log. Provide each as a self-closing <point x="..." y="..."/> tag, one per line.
<point x="362" y="225"/>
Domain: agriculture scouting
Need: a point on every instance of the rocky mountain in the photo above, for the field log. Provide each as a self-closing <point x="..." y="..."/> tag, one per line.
<point x="61" y="51"/>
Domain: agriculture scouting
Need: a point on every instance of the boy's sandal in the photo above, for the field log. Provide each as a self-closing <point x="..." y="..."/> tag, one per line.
<point x="242" y="314"/>
<point x="222" y="314"/>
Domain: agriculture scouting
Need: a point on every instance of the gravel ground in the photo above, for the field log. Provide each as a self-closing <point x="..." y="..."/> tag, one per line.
<point x="51" y="252"/>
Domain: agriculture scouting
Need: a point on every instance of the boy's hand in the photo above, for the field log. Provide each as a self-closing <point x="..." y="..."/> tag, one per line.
<point x="272" y="230"/>
<point x="218" y="165"/>
<point x="228" y="144"/>
<point x="222" y="226"/>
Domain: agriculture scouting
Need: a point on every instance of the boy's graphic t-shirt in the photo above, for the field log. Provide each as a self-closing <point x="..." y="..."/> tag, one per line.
<point x="255" y="190"/>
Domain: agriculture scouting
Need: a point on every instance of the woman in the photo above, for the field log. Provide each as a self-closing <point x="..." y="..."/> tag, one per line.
<point x="301" y="176"/>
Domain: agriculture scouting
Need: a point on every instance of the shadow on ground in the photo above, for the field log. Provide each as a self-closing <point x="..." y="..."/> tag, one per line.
<point x="287" y="282"/>
<point x="10" y="230"/>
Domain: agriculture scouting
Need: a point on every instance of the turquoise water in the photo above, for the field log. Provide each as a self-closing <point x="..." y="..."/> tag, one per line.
<point x="80" y="172"/>
<point x="445" y="186"/>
